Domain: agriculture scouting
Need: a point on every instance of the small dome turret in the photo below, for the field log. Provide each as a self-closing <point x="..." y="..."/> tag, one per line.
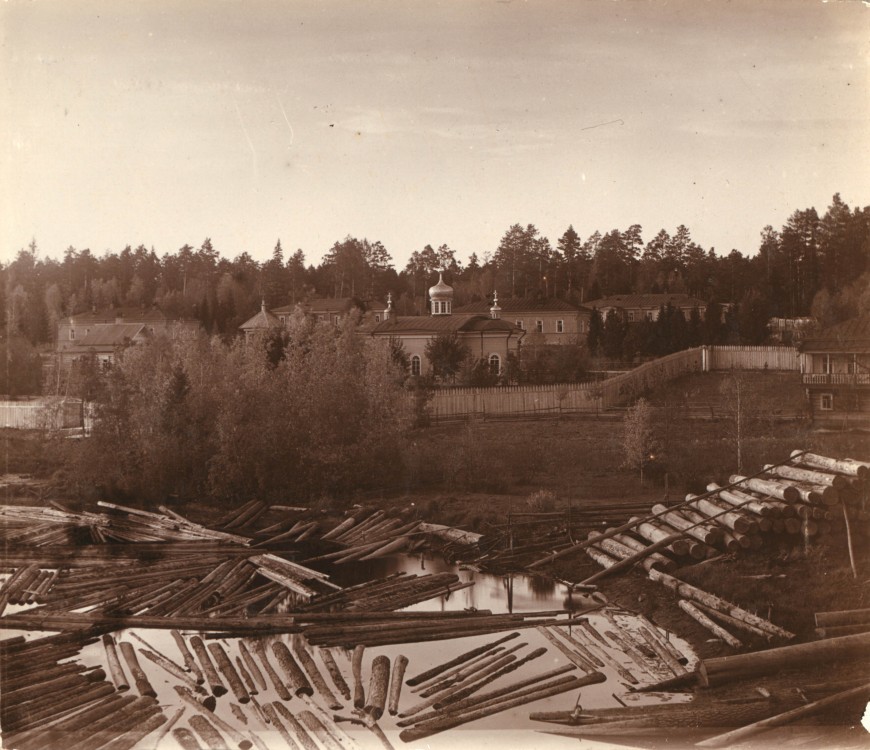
<point x="441" y="297"/>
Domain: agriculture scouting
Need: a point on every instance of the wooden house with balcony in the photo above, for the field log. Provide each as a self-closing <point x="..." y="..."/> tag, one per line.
<point x="835" y="368"/>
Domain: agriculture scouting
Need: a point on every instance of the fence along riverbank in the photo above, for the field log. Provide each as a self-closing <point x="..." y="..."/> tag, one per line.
<point x="596" y="397"/>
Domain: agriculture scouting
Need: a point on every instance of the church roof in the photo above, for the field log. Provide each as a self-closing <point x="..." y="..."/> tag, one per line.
<point x="522" y="304"/>
<point x="263" y="320"/>
<point x="440" y="324"/>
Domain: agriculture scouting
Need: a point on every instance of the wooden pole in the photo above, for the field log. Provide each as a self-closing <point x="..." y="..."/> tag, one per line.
<point x="252" y="666"/>
<point x="545" y="691"/>
<point x="226" y="668"/>
<point x="697" y="615"/>
<point x="309" y="665"/>
<point x="399" y="666"/>
<point x="296" y="678"/>
<point x="215" y="683"/>
<point x="359" y="699"/>
<point x="277" y="682"/>
<point x="434" y="671"/>
<point x="142" y="685"/>
<point x="335" y="673"/>
<point x="378" y="684"/>
<point x="738" y="735"/>
<point x="716" y="671"/>
<point x="114" y="664"/>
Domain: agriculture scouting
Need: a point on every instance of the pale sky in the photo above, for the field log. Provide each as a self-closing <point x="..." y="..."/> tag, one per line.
<point x="414" y="123"/>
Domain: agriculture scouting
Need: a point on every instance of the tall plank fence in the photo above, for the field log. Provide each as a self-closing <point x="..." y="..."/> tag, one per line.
<point x="41" y="414"/>
<point x="596" y="397"/>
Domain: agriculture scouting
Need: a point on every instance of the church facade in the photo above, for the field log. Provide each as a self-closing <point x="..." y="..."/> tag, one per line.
<point x="487" y="337"/>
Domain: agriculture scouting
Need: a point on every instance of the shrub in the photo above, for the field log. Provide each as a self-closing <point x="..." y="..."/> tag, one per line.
<point x="541" y="501"/>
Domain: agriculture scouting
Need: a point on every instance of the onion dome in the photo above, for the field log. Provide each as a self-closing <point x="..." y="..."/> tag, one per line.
<point x="441" y="297"/>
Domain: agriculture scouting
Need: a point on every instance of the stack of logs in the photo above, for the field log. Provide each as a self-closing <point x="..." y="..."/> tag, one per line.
<point x="801" y="497"/>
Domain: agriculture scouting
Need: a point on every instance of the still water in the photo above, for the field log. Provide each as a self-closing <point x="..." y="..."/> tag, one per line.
<point x="500" y="594"/>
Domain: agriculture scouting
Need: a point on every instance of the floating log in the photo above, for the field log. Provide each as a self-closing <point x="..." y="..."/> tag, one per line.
<point x="462" y="658"/>
<point x="663" y="653"/>
<point x="340" y="529"/>
<point x="226" y="668"/>
<point x="448" y="722"/>
<point x="189" y="661"/>
<point x="842" y="617"/>
<point x="252" y="666"/>
<point x="215" y="683"/>
<point x="603" y="652"/>
<point x="483" y="680"/>
<point x="114" y="664"/>
<point x="484" y="671"/>
<point x="740" y="666"/>
<point x="186" y="739"/>
<point x="295" y="727"/>
<point x="230" y="731"/>
<point x="210" y="735"/>
<point x="169" y="666"/>
<point x="467" y="672"/>
<point x="139" y="677"/>
<point x="335" y="673"/>
<point x="738" y="735"/>
<point x="835" y="631"/>
<point x="399" y="666"/>
<point x="277" y="683"/>
<point x="577" y="659"/>
<point x="378" y="685"/>
<point x="359" y="700"/>
<point x="702" y="619"/>
<point x="464" y="704"/>
<point x="310" y="667"/>
<point x="296" y="678"/>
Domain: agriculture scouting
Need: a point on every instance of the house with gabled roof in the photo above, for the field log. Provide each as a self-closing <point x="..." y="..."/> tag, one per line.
<point x="555" y="320"/>
<point x="102" y="333"/>
<point x="487" y="337"/>
<point x="835" y="367"/>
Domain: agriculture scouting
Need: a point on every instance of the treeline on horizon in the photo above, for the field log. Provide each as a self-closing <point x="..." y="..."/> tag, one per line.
<point x="814" y="265"/>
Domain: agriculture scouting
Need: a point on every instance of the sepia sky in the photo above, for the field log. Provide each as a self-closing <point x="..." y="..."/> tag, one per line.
<point x="162" y="123"/>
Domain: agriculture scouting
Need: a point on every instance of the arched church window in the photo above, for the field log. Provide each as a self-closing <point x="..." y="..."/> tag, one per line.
<point x="415" y="365"/>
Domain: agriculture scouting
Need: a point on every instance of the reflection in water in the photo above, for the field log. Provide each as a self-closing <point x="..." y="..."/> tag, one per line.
<point x="513" y="593"/>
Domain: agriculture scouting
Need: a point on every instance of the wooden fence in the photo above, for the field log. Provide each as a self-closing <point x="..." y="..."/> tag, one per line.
<point x="41" y="413"/>
<point x="596" y="397"/>
<point x="563" y="398"/>
<point x="751" y="358"/>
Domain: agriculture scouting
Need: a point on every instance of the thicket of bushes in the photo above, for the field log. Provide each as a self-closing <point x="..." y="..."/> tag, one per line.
<point x="196" y="418"/>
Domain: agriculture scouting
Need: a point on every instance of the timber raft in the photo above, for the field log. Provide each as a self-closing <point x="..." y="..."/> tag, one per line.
<point x="267" y="651"/>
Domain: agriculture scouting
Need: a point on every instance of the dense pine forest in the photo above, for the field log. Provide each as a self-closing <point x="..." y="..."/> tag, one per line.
<point x="813" y="265"/>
